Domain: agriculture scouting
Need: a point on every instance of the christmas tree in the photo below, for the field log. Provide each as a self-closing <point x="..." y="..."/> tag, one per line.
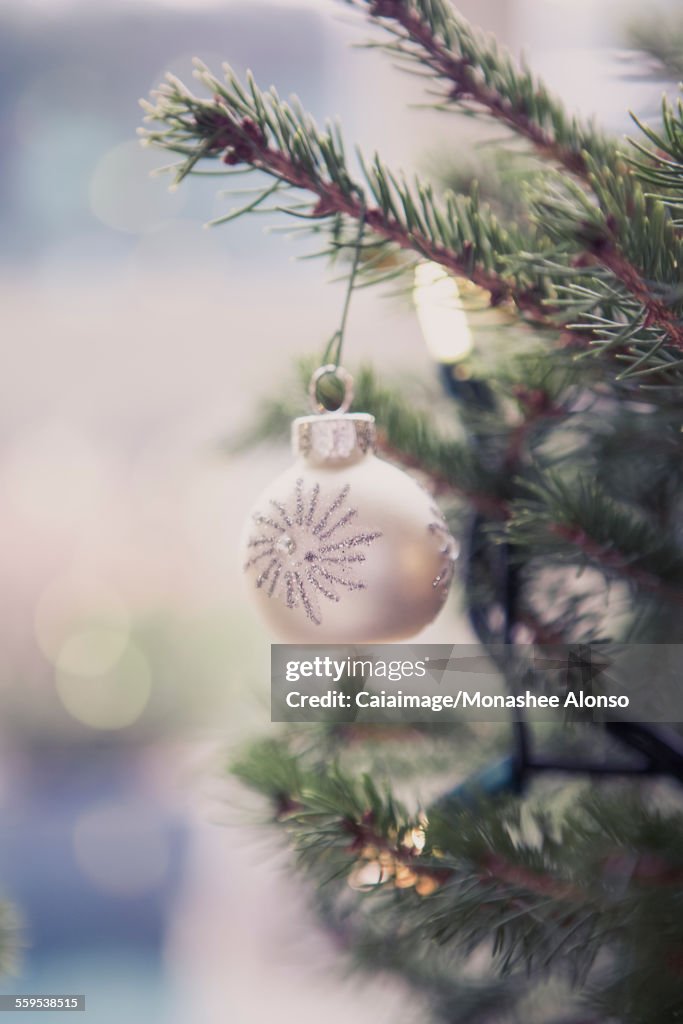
<point x="516" y="896"/>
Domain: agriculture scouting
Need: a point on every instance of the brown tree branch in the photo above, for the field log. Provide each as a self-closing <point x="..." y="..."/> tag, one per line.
<point x="657" y="313"/>
<point x="493" y="868"/>
<point x="244" y="142"/>
<point x="468" y="86"/>
<point x="613" y="561"/>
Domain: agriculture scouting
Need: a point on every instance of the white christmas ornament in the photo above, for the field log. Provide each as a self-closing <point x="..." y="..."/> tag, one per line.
<point x="344" y="547"/>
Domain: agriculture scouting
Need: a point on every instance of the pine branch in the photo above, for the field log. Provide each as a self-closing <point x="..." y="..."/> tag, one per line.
<point x="639" y="244"/>
<point x="632" y="301"/>
<point x="260" y="132"/>
<point x="620" y="229"/>
<point x="363" y="822"/>
<point x="566" y="520"/>
<point x="540" y="896"/>
<point x="573" y="522"/>
<point x="478" y="74"/>
<point x="618" y="563"/>
<point x="663" y="153"/>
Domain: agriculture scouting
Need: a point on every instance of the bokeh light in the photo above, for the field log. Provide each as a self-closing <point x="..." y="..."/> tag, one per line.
<point x="76" y="605"/>
<point x="92" y="651"/>
<point x="124" y="195"/>
<point x="113" y="699"/>
<point x="442" y="318"/>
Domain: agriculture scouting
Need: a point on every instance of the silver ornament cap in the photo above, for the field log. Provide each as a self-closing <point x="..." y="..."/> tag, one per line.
<point x="333" y="437"/>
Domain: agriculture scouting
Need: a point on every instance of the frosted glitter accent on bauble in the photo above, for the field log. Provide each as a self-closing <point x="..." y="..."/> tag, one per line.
<point x="343" y="547"/>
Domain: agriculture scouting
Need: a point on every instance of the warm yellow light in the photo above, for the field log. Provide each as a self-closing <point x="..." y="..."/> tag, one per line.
<point x="440" y="314"/>
<point x="367" y="876"/>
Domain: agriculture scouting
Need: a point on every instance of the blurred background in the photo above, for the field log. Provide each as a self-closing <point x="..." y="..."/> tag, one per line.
<point x="134" y="342"/>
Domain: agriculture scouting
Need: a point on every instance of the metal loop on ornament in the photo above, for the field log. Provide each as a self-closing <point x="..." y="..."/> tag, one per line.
<point x="331" y="370"/>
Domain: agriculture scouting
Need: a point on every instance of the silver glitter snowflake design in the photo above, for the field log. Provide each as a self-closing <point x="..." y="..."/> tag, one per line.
<point x="304" y="552"/>
<point x="449" y="551"/>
